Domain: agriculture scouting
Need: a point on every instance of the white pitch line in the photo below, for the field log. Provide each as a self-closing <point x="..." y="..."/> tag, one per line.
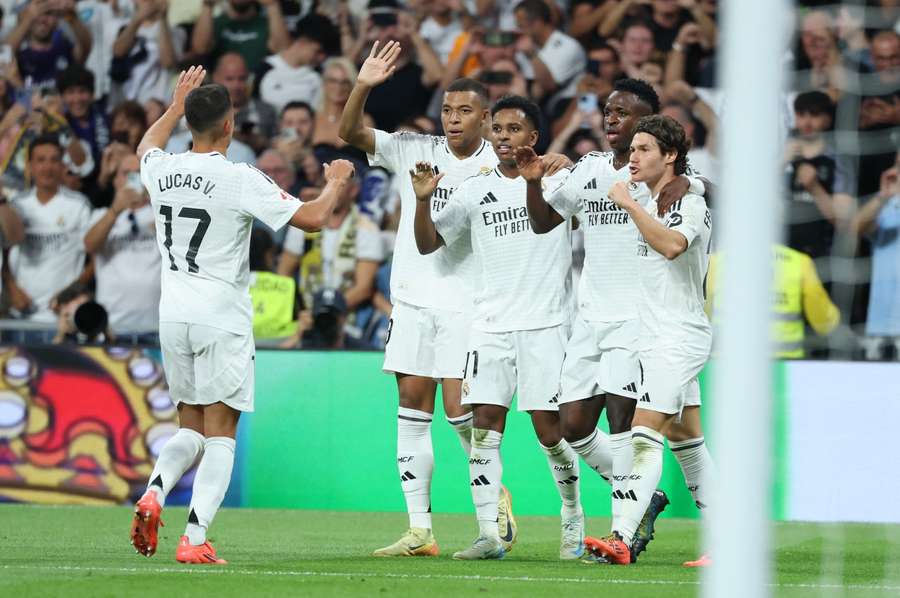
<point x="442" y="576"/>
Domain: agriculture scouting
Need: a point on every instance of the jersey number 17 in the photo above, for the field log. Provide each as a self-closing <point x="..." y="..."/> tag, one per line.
<point x="203" y="222"/>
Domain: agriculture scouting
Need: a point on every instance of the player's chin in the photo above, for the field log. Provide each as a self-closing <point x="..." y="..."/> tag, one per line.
<point x="637" y="175"/>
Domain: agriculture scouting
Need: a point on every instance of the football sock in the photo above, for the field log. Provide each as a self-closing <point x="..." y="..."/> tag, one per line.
<point x="697" y="467"/>
<point x="596" y="452"/>
<point x="415" y="463"/>
<point x="175" y="458"/>
<point x="486" y="472"/>
<point x="210" y="485"/>
<point x="645" y="473"/>
<point x="563" y="464"/>
<point x="463" y="427"/>
<point x="622" y="456"/>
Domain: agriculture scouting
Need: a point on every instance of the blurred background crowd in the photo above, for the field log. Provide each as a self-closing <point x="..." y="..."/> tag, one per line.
<point x="80" y="82"/>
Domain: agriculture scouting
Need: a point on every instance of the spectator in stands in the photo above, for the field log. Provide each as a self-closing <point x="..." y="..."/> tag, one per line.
<point x="290" y="75"/>
<point x="128" y="122"/>
<point x="274" y="297"/>
<point x="147" y="52"/>
<point x="818" y="63"/>
<point x="12" y="231"/>
<point x="86" y="117"/>
<point x="553" y="59"/>
<point x="603" y="69"/>
<point x="879" y="219"/>
<point x="664" y="18"/>
<point x="586" y="17"/>
<point x="122" y="241"/>
<point x="339" y="76"/>
<point x="241" y="28"/>
<point x="278" y="168"/>
<point x="821" y="182"/>
<point x="686" y="107"/>
<point x="254" y="120"/>
<point x="881" y="107"/>
<point x="477" y="49"/>
<point x="42" y="47"/>
<point x="581" y="133"/>
<point x="79" y="318"/>
<point x="52" y="254"/>
<point x="296" y="125"/>
<point x="502" y="78"/>
<point x="154" y="109"/>
<point x="441" y="27"/>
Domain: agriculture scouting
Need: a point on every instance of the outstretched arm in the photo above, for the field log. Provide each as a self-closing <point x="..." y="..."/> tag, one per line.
<point x="377" y="68"/>
<point x="424" y="182"/>
<point x="158" y="134"/>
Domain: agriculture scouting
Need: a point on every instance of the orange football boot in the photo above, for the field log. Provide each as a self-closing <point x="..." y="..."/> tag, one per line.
<point x="146" y="524"/>
<point x="203" y="554"/>
<point x="703" y="561"/>
<point x="610" y="547"/>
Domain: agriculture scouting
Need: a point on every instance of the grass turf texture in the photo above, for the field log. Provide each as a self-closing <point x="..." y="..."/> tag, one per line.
<point x="85" y="551"/>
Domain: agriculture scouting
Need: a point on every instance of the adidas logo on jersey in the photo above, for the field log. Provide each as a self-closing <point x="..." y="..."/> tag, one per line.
<point x="645" y="398"/>
<point x="480" y="481"/>
<point x="489" y="198"/>
<point x="630" y="388"/>
<point x="591" y="184"/>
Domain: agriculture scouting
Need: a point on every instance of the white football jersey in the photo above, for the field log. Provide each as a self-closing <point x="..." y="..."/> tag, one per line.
<point x="522" y="280"/>
<point x="672" y="292"/>
<point x="204" y="207"/>
<point x="439" y="280"/>
<point x="52" y="255"/>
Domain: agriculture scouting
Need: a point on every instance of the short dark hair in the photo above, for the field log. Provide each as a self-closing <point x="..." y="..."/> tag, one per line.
<point x="45" y="139"/>
<point x="75" y="75"/>
<point x="641" y="90"/>
<point x="669" y="135"/>
<point x="467" y="84"/>
<point x="814" y="102"/>
<point x="206" y="106"/>
<point x="536" y="9"/>
<point x="130" y="110"/>
<point x="297" y="105"/>
<point x="637" y="23"/>
<point x="321" y="30"/>
<point x="529" y="108"/>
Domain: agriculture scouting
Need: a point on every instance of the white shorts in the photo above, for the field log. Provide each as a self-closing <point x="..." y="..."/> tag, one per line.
<point x="426" y="342"/>
<point x="601" y="358"/>
<point x="669" y="379"/>
<point x="499" y="363"/>
<point x="206" y="365"/>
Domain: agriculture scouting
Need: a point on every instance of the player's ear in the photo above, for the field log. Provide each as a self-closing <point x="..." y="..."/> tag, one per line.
<point x="533" y="138"/>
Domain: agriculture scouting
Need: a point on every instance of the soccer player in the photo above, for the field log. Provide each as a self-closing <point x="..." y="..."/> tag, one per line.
<point x="205" y="206"/>
<point x="521" y="317"/>
<point x="601" y="368"/>
<point x="431" y="294"/>
<point x="675" y="335"/>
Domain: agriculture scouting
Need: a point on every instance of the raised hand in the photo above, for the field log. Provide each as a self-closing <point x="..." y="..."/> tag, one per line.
<point x="672" y="192"/>
<point x="553" y="163"/>
<point x="188" y="81"/>
<point x="530" y="166"/>
<point x="424" y="181"/>
<point x="620" y="195"/>
<point x="339" y="170"/>
<point x="379" y="66"/>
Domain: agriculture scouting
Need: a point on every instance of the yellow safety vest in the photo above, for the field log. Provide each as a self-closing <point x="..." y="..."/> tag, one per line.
<point x="273" y="304"/>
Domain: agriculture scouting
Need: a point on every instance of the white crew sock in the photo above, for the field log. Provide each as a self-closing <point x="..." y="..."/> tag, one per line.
<point x="622" y="457"/>
<point x="596" y="452"/>
<point x="698" y="469"/>
<point x="175" y="458"/>
<point x="486" y="472"/>
<point x="645" y="473"/>
<point x="463" y="427"/>
<point x="563" y="464"/>
<point x="415" y="463"/>
<point x="210" y="485"/>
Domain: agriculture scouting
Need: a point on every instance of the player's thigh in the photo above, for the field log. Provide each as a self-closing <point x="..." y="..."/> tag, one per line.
<point x="220" y="420"/>
<point x="619" y="413"/>
<point x="416" y="392"/>
<point x="546" y="426"/>
<point x="580" y="372"/>
<point x="178" y="361"/>
<point x="619" y="372"/>
<point x="224" y="367"/>
<point x="451" y="394"/>
<point x="191" y="417"/>
<point x="661" y="388"/>
<point x="409" y="349"/>
<point x="539" y="360"/>
<point x="578" y="419"/>
<point x="490" y="369"/>
<point x="688" y="427"/>
<point x="451" y="342"/>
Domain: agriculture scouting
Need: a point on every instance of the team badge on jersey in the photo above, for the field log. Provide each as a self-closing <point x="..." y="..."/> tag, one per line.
<point x="485" y="170"/>
<point x="465" y="389"/>
<point x="61" y="222"/>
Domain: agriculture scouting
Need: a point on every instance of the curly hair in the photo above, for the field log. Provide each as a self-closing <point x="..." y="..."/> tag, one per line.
<point x="670" y="137"/>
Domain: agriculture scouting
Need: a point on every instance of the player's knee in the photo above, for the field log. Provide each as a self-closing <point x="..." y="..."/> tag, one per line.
<point x="414" y="398"/>
<point x="619" y="422"/>
<point x="549" y="436"/>
<point x="573" y="428"/>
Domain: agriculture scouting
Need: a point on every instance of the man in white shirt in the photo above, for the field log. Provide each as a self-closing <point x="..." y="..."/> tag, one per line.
<point x="675" y="335"/>
<point x="122" y="241"/>
<point x="52" y="255"/>
<point x="520" y="318"/>
<point x="440" y="28"/>
<point x="204" y="207"/>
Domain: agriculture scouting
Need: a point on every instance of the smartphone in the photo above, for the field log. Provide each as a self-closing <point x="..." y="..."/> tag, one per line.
<point x="587" y="102"/>
<point x="289" y="134"/>
<point x="500" y="39"/>
<point x="119" y="137"/>
<point x="496" y="77"/>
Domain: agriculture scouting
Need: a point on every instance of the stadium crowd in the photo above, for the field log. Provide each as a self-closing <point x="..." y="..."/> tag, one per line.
<point x="81" y="81"/>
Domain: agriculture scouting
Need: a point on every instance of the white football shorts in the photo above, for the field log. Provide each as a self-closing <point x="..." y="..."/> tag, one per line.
<point x="601" y="358"/>
<point x="206" y="365"/>
<point x="668" y="381"/>
<point x="426" y="342"/>
<point x="500" y="363"/>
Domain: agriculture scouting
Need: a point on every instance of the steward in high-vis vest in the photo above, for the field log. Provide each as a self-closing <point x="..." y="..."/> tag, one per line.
<point x="799" y="296"/>
<point x="274" y="297"/>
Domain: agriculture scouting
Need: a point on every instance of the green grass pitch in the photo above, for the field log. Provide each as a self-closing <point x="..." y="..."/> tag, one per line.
<point x="85" y="551"/>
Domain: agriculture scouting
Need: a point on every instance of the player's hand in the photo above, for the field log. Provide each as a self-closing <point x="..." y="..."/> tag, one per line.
<point x="188" y="81"/>
<point x="18" y="299"/>
<point x="424" y="181"/>
<point x="689" y="35"/>
<point x="889" y="186"/>
<point x="681" y="91"/>
<point x="125" y="199"/>
<point x="672" y="192"/>
<point x="806" y="176"/>
<point x="339" y="171"/>
<point x="530" y="165"/>
<point x="379" y="66"/>
<point x="620" y="195"/>
<point x="553" y="163"/>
